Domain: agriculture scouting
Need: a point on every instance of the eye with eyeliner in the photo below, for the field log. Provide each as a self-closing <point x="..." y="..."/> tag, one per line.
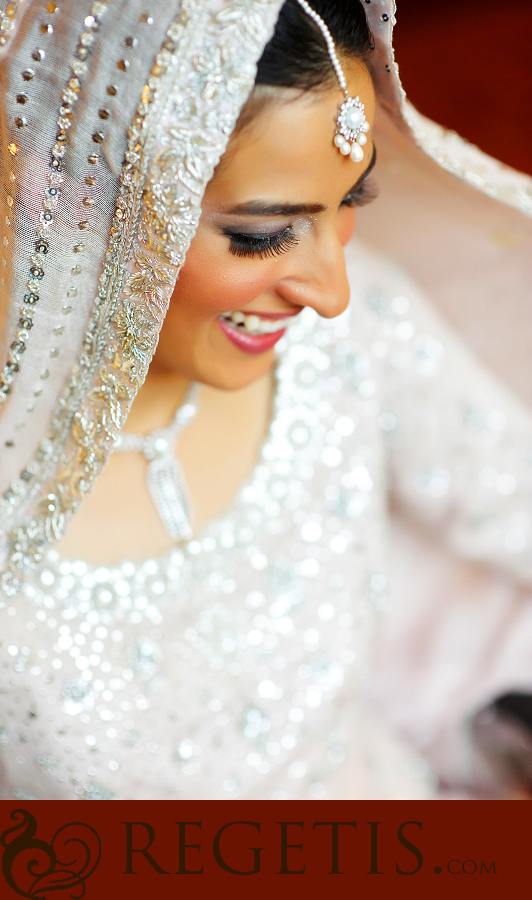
<point x="263" y="244"/>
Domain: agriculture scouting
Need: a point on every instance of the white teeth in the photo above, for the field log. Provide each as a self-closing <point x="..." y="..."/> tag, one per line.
<point x="254" y="324"/>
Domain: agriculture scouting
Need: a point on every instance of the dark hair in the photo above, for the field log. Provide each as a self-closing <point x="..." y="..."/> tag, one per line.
<point x="297" y="56"/>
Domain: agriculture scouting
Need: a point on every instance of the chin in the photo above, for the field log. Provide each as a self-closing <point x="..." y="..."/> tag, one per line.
<point x="233" y="378"/>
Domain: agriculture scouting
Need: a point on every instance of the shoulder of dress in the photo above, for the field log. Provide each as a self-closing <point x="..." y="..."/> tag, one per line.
<point x="374" y="280"/>
<point x="384" y="295"/>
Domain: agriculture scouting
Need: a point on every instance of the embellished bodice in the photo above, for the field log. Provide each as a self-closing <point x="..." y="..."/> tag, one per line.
<point x="233" y="666"/>
<point x="209" y="670"/>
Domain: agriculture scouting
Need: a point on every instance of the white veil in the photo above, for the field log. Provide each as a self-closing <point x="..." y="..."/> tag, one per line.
<point x="457" y="635"/>
<point x="113" y="122"/>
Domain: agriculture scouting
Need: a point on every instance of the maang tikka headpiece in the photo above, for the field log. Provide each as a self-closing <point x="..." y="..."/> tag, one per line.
<point x="351" y="123"/>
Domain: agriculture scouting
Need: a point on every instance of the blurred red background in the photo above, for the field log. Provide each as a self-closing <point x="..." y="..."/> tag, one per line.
<point x="468" y="65"/>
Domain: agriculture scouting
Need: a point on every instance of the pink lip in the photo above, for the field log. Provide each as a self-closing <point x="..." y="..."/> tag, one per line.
<point x="252" y="343"/>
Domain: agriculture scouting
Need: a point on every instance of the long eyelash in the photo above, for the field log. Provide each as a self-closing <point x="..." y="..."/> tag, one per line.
<point x="363" y="194"/>
<point x="262" y="245"/>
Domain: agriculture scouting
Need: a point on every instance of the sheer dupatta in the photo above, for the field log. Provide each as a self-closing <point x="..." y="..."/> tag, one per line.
<point x="457" y="636"/>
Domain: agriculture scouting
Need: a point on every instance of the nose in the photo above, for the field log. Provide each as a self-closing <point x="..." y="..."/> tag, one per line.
<point x="319" y="277"/>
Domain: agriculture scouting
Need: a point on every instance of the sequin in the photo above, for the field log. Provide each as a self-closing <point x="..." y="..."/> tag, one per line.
<point x="122" y="654"/>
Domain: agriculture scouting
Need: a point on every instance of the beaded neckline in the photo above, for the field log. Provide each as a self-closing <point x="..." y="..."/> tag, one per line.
<point x="281" y="391"/>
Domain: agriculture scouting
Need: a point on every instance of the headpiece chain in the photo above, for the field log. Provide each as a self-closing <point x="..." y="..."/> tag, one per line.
<point x="351" y="123"/>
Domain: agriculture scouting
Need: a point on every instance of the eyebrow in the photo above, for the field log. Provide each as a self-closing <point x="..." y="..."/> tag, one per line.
<point x="259" y="208"/>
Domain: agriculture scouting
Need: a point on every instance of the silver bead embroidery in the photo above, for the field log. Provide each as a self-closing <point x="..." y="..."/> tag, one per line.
<point x="47" y="215"/>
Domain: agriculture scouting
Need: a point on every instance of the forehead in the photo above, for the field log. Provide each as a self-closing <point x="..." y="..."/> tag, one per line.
<point x="287" y="149"/>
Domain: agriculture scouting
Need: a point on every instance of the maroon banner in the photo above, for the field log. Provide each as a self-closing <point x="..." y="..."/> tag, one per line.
<point x="258" y="849"/>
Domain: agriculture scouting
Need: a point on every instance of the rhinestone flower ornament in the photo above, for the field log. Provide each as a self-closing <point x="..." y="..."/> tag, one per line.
<point x="351" y="123"/>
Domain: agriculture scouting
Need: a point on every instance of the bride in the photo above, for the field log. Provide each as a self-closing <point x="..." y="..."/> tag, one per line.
<point x="204" y="627"/>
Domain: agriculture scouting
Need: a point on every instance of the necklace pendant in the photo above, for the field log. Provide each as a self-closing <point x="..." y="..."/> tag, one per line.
<point x="168" y="490"/>
<point x="165" y="479"/>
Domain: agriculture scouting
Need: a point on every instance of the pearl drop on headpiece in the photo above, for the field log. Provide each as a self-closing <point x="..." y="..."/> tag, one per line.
<point x="351" y="123"/>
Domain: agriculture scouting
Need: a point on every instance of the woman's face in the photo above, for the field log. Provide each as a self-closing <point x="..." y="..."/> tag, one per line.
<point x="275" y="217"/>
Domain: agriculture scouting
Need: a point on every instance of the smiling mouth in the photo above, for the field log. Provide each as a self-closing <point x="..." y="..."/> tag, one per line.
<point x="253" y="324"/>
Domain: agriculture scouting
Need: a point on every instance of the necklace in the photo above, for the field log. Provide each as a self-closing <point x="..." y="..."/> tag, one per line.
<point x="164" y="476"/>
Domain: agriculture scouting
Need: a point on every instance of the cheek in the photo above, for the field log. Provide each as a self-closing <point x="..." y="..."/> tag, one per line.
<point x="346" y="224"/>
<point x="224" y="283"/>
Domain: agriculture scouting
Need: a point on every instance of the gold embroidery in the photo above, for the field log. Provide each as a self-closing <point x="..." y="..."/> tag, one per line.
<point x="147" y="284"/>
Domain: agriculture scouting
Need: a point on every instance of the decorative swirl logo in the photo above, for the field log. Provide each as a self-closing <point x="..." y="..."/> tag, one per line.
<point x="34" y="868"/>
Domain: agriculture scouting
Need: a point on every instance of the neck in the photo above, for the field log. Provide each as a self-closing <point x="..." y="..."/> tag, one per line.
<point x="156" y="401"/>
